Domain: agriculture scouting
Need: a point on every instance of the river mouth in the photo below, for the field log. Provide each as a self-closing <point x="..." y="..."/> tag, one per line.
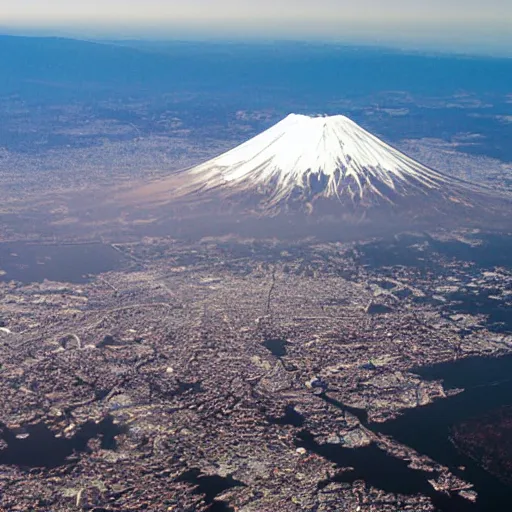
<point x="469" y="432"/>
<point x="383" y="471"/>
<point x="68" y="263"/>
<point x="450" y="429"/>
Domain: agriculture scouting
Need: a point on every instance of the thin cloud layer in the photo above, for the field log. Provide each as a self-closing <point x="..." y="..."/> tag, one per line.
<point x="484" y="23"/>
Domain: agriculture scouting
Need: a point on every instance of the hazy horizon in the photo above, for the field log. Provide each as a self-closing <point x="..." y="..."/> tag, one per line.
<point x="451" y="25"/>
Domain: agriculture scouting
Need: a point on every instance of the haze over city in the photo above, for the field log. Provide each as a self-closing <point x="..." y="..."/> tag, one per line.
<point x="461" y="25"/>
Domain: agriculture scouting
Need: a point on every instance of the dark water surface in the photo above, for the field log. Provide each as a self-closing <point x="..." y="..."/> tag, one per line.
<point x="382" y="471"/>
<point x="499" y="315"/>
<point x="211" y="486"/>
<point x="40" y="448"/>
<point x="276" y="346"/>
<point x="487" y="384"/>
<point x="493" y="250"/>
<point x="290" y="417"/>
<point x="29" y="263"/>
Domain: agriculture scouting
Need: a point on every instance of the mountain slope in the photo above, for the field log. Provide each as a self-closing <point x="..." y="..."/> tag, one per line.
<point x="307" y="169"/>
<point x="331" y="157"/>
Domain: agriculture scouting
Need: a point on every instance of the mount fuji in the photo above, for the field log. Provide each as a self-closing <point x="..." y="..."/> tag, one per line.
<point x="304" y="169"/>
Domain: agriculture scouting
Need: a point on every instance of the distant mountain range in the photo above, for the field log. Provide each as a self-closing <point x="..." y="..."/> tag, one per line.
<point x="31" y="65"/>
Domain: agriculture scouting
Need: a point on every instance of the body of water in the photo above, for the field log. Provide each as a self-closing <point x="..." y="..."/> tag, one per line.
<point x="487" y="384"/>
<point x="28" y="263"/>
<point x="39" y="447"/>
<point x="276" y="346"/>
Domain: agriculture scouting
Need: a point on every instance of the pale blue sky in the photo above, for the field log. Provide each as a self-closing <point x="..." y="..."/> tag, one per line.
<point x="472" y="23"/>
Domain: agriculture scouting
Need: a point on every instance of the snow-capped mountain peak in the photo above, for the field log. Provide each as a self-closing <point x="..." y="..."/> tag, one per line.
<point x="318" y="156"/>
<point x="315" y="176"/>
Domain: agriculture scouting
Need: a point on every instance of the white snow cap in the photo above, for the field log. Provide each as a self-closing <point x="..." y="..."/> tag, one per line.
<point x="300" y="150"/>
